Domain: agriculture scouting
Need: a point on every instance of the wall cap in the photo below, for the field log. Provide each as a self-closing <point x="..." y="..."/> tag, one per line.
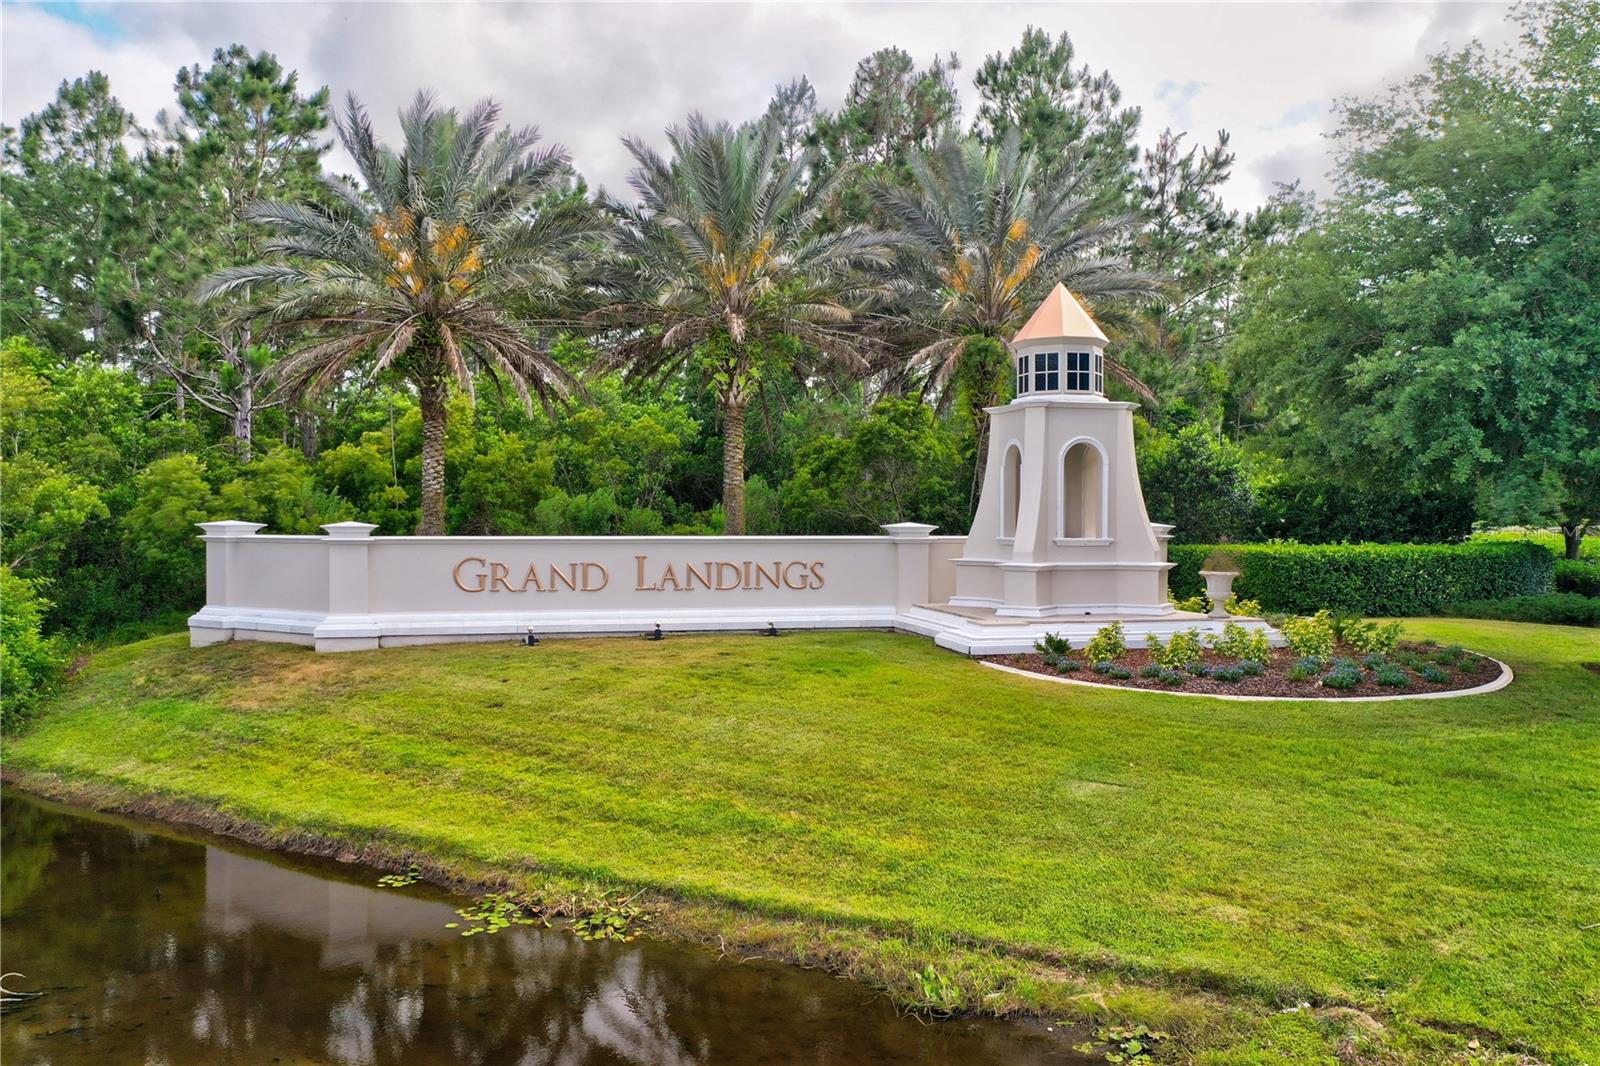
<point x="348" y="530"/>
<point x="229" y="529"/>
<point x="909" y="530"/>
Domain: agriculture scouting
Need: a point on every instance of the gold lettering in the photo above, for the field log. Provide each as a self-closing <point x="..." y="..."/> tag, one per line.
<point x="670" y="575"/>
<point x="691" y="575"/>
<point x="605" y="577"/>
<point x="569" y="579"/>
<point x="456" y="574"/>
<point x="746" y="565"/>
<point x="497" y="577"/>
<point x="639" y="585"/>
<point x="786" y="579"/>
<point x="772" y="576"/>
<point x="532" y="579"/>
<point x="723" y="568"/>
<point x="816" y="574"/>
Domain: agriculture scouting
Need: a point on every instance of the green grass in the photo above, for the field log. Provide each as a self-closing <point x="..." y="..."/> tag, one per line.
<point x="1433" y="863"/>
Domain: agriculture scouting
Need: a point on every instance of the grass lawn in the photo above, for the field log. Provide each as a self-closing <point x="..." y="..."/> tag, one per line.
<point x="1433" y="864"/>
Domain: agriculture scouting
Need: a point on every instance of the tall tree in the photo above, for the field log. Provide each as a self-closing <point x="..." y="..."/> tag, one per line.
<point x="1440" y="324"/>
<point x="437" y="273"/>
<point x="68" y="190"/>
<point x="892" y="110"/>
<point x="1187" y="235"/>
<point x="1071" y="118"/>
<point x="793" y="109"/>
<point x="243" y="132"/>
<point x="721" y="270"/>
<point x="986" y="241"/>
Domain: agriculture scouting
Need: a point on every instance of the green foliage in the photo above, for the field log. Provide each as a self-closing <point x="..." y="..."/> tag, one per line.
<point x="1556" y="608"/>
<point x="936" y="992"/>
<point x="1342" y="677"/>
<point x="1184" y="647"/>
<point x="1408" y="338"/>
<point x="1197" y="481"/>
<point x="411" y="876"/>
<point x="497" y="910"/>
<point x="1317" y="510"/>
<point x="1107" y="645"/>
<point x="901" y="463"/>
<point x="1367" y="637"/>
<point x="610" y="916"/>
<point x="1199" y="604"/>
<point x="1374" y="579"/>
<point x="1391" y="676"/>
<point x="1310" y="636"/>
<point x="31" y="664"/>
<point x="1578" y="576"/>
<point x="1247" y="608"/>
<point x="1132" y="1045"/>
<point x="1237" y="642"/>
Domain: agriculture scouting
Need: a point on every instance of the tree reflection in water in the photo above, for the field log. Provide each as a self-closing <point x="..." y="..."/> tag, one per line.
<point x="158" y="949"/>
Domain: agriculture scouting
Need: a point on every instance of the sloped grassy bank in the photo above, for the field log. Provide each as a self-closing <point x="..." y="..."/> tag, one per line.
<point x="1420" y="874"/>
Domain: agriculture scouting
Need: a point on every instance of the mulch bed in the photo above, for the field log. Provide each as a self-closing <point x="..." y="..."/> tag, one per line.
<point x="1274" y="682"/>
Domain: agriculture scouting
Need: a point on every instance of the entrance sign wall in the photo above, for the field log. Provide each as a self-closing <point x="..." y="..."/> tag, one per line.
<point x="1061" y="544"/>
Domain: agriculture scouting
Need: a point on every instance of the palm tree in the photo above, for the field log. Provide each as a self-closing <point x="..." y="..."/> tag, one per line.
<point x="987" y="241"/>
<point x="721" y="259"/>
<point x="435" y="272"/>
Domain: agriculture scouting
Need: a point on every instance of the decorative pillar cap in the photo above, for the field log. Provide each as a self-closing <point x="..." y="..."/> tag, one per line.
<point x="349" y="530"/>
<point x="909" y="530"/>
<point x="229" y="530"/>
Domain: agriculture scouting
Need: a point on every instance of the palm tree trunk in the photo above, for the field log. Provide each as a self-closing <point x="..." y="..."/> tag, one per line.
<point x="733" y="465"/>
<point x="432" y="395"/>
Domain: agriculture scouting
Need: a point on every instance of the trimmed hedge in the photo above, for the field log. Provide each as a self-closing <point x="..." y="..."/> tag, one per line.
<point x="1578" y="575"/>
<point x="1372" y="579"/>
<point x="1558" y="609"/>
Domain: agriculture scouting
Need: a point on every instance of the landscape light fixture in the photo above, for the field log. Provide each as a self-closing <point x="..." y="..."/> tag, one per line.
<point x="770" y="631"/>
<point x="657" y="634"/>
<point x="530" y="641"/>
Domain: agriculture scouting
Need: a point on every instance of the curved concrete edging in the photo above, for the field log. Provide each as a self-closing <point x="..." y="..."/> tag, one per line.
<point x="1498" y="683"/>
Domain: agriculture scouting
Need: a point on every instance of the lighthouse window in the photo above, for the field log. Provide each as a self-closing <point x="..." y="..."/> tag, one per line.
<point x="1079" y="368"/>
<point x="1046" y="371"/>
<point x="1022" y="375"/>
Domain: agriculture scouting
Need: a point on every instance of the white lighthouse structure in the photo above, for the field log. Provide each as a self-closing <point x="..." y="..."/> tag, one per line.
<point x="1061" y="527"/>
<point x="1061" y="542"/>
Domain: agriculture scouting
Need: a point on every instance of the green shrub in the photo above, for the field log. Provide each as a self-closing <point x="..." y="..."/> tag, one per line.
<point x="1299" y="672"/>
<point x="1434" y="674"/>
<point x="1052" y="644"/>
<point x="1121" y="673"/>
<point x="1310" y="636"/>
<point x="1248" y="608"/>
<point x="1556" y="608"/>
<point x="1200" y="604"/>
<point x="31" y="664"/>
<point x="1237" y="642"/>
<point x="1373" y="579"/>
<point x="1342" y="678"/>
<point x="1184" y="648"/>
<point x="1391" y="675"/>
<point x="1229" y="674"/>
<point x="1371" y="638"/>
<point x="1579" y="576"/>
<point x="1108" y="644"/>
<point x="1252" y="667"/>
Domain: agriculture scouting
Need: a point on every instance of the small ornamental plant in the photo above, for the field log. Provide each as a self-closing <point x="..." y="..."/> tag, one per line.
<point x="1107" y="645"/>
<point x="1184" y="648"/>
<point x="1391" y="675"/>
<point x="1056" y="650"/>
<point x="1200" y="604"/>
<point x="1310" y="636"/>
<point x="1238" y="605"/>
<point x="1237" y="642"/>
<point x="1220" y="562"/>
<point x="1434" y="674"/>
<point x="1370" y="638"/>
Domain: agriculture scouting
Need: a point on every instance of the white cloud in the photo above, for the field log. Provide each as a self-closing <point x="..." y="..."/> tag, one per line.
<point x="588" y="74"/>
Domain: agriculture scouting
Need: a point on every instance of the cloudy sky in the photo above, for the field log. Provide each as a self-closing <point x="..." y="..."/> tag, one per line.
<point x="589" y="73"/>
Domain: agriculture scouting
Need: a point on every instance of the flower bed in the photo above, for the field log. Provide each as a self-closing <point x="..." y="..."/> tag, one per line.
<point x="1411" y="668"/>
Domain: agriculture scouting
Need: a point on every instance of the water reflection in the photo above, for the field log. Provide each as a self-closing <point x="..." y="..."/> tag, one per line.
<point x="160" y="950"/>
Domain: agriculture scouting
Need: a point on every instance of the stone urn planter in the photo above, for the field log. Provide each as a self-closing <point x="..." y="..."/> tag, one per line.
<point x="1219" y="586"/>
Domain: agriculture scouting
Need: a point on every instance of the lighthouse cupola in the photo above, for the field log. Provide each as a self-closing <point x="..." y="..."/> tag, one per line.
<point x="1060" y="351"/>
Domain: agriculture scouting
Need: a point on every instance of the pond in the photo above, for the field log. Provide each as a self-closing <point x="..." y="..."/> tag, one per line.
<point x="151" y="945"/>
